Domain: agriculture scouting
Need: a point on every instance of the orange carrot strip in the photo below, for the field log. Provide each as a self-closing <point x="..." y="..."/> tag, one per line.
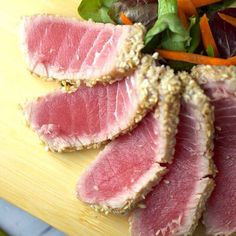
<point x="196" y="58"/>
<point x="188" y="7"/>
<point x="207" y="37"/>
<point x="232" y="60"/>
<point x="125" y="20"/>
<point x="229" y="19"/>
<point x="201" y="3"/>
<point x="183" y="18"/>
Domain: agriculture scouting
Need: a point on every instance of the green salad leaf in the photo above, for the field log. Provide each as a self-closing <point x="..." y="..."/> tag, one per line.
<point x="173" y="35"/>
<point x="210" y="51"/>
<point x="195" y="34"/>
<point x="180" y="65"/>
<point x="96" y="10"/>
<point x="217" y="6"/>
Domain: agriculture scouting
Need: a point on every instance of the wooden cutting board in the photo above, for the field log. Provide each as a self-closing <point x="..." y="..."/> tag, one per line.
<point x="40" y="182"/>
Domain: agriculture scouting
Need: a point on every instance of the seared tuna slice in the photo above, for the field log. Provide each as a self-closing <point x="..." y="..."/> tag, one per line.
<point x="129" y="166"/>
<point x="219" y="84"/>
<point x="176" y="203"/>
<point x="91" y="116"/>
<point x="69" y="49"/>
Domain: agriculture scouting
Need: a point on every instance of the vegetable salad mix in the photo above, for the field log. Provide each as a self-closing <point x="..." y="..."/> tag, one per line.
<point x="184" y="32"/>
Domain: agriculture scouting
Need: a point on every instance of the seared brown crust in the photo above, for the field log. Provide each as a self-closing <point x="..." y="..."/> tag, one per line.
<point x="146" y="79"/>
<point x="127" y="60"/>
<point x="193" y="94"/>
<point x="166" y="112"/>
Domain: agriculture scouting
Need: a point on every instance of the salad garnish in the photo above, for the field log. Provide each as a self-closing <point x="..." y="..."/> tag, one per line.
<point x="184" y="32"/>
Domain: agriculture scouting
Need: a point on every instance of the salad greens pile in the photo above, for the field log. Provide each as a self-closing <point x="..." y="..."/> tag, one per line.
<point x="165" y="30"/>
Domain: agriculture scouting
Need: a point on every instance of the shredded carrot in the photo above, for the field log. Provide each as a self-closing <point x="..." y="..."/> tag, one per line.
<point x="232" y="60"/>
<point x="229" y="19"/>
<point x="207" y="37"/>
<point x="196" y="58"/>
<point x="188" y="7"/>
<point x="125" y="20"/>
<point x="201" y="3"/>
<point x="183" y="18"/>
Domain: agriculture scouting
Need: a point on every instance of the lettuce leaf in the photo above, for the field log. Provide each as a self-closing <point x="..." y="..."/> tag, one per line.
<point x="224" y="33"/>
<point x="139" y="2"/>
<point x="211" y="9"/>
<point x="96" y="10"/>
<point x="138" y="11"/>
<point x="194" y="31"/>
<point x="169" y="28"/>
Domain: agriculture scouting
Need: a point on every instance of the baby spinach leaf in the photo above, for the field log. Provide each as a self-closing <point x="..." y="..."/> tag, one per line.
<point x="96" y="10"/>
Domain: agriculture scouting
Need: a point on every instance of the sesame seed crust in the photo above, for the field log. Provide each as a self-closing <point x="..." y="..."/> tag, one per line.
<point x="131" y="203"/>
<point x="193" y="94"/>
<point x="166" y="113"/>
<point x="204" y="73"/>
<point x="130" y="54"/>
<point x="214" y="75"/>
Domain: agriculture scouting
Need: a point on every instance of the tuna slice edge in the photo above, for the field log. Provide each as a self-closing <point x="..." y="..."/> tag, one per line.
<point x="219" y="83"/>
<point x="129" y="166"/>
<point x="65" y="48"/>
<point x="89" y="117"/>
<point x="175" y="205"/>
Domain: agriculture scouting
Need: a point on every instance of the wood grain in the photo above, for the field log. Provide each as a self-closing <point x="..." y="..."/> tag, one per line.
<point x="40" y="182"/>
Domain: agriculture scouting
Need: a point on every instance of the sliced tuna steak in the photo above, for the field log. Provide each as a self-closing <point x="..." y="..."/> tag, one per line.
<point x="90" y="116"/>
<point x="219" y="84"/>
<point x="129" y="166"/>
<point x="69" y="49"/>
<point x="176" y="203"/>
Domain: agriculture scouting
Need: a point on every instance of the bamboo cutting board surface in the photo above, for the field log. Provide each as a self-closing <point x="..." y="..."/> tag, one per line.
<point x="40" y="182"/>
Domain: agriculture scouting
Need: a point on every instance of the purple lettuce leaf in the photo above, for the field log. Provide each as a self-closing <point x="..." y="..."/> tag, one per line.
<point x="137" y="2"/>
<point x="144" y="11"/>
<point x="224" y="33"/>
